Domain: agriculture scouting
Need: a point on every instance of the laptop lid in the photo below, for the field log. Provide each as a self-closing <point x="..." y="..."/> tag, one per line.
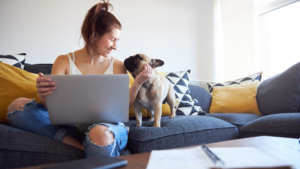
<point x="89" y="99"/>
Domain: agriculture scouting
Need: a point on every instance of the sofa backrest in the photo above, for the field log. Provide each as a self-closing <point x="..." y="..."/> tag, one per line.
<point x="280" y="93"/>
<point x="202" y="96"/>
<point x="36" y="68"/>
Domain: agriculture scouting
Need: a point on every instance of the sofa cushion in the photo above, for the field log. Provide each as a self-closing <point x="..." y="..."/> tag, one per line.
<point x="237" y="119"/>
<point x="181" y="131"/>
<point x="282" y="125"/>
<point x="280" y="93"/>
<point x="21" y="149"/>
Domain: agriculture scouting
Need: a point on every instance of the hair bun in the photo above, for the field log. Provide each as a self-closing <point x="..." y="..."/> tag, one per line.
<point x="105" y="5"/>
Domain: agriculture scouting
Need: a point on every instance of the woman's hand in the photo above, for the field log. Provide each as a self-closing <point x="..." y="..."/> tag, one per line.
<point x="144" y="75"/>
<point x="44" y="85"/>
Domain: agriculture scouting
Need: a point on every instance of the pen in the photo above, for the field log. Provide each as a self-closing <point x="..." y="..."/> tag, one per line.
<point x="218" y="162"/>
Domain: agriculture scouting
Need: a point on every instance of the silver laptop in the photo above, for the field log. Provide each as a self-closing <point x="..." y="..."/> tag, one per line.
<point x="89" y="99"/>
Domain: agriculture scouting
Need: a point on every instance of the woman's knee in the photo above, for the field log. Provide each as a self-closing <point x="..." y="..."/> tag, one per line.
<point x="101" y="135"/>
<point x="18" y="104"/>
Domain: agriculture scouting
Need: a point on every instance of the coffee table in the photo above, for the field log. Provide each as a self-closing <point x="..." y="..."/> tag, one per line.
<point x="287" y="149"/>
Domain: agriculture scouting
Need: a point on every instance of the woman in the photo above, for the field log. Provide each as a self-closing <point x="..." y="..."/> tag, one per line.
<point x="101" y="32"/>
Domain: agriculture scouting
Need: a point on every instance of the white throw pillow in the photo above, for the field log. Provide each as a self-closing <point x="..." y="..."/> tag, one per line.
<point x="185" y="104"/>
<point x="17" y="60"/>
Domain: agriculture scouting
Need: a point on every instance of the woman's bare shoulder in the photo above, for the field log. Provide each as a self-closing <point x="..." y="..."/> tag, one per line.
<point x="119" y="67"/>
<point x="61" y="65"/>
<point x="62" y="58"/>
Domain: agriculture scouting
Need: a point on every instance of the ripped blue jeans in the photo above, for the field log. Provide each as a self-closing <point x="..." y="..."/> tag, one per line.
<point x="34" y="118"/>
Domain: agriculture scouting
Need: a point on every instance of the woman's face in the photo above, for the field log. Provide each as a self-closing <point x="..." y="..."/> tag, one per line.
<point x="108" y="42"/>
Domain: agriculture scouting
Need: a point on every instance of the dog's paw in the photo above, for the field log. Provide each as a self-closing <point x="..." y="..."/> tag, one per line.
<point x="172" y="116"/>
<point x="138" y="124"/>
<point x="156" y="125"/>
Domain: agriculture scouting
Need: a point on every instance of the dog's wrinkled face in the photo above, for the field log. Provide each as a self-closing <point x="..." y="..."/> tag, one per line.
<point x="135" y="64"/>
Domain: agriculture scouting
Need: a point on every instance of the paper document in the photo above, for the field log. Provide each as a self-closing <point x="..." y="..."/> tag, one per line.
<point x="233" y="157"/>
<point x="184" y="158"/>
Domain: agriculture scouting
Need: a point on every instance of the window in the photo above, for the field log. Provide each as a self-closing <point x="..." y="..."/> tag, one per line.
<point x="279" y="36"/>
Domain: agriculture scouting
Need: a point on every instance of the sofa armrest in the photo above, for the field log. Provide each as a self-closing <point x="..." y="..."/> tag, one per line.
<point x="202" y="96"/>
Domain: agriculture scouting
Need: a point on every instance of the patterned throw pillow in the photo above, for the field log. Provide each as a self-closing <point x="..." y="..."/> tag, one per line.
<point x="250" y="78"/>
<point x="17" y="60"/>
<point x="185" y="104"/>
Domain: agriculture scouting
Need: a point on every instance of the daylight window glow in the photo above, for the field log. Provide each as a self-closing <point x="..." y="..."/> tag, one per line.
<point x="279" y="39"/>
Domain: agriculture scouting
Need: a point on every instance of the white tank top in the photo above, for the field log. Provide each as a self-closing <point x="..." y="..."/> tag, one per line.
<point x="75" y="71"/>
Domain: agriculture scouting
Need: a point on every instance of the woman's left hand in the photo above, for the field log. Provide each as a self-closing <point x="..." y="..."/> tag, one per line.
<point x="144" y="75"/>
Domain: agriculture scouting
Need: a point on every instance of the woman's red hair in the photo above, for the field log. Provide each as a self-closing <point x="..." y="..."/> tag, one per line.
<point x="97" y="22"/>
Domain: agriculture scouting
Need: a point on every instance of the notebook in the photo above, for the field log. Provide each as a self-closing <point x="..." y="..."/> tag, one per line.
<point x="84" y="99"/>
<point x="232" y="157"/>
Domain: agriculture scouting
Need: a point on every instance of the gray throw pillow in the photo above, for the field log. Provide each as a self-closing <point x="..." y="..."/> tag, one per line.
<point x="281" y="93"/>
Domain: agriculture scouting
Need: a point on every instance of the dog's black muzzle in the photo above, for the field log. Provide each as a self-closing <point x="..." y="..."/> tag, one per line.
<point x="130" y="64"/>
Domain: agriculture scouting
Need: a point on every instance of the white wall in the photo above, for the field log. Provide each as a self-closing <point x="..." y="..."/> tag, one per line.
<point x="180" y="32"/>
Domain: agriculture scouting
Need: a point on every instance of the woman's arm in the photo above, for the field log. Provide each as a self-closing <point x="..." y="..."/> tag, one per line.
<point x="138" y="81"/>
<point x="44" y="85"/>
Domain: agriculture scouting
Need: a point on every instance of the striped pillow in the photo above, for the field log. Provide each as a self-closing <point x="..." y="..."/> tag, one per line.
<point x="250" y="78"/>
<point x="17" y="60"/>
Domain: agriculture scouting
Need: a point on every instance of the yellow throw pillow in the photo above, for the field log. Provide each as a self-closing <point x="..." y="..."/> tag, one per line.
<point x="165" y="107"/>
<point x="235" y="99"/>
<point x="15" y="83"/>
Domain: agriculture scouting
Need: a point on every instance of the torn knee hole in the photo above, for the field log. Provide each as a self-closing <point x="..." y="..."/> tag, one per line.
<point x="107" y="131"/>
<point x="101" y="136"/>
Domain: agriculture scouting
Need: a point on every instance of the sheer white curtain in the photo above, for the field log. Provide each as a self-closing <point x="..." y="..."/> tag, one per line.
<point x="236" y="38"/>
<point x="279" y="35"/>
<point x="266" y="6"/>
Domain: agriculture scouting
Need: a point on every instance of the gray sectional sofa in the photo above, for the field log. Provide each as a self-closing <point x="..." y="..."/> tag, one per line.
<point x="278" y="100"/>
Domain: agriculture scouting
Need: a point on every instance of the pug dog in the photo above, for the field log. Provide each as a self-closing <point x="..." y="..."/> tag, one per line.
<point x="154" y="92"/>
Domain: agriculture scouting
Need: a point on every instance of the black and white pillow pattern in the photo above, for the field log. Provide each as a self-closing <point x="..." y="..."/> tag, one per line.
<point x="14" y="60"/>
<point x="250" y="78"/>
<point x="184" y="105"/>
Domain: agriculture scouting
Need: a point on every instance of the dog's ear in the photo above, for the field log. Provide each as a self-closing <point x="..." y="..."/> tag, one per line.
<point x="137" y="56"/>
<point x="156" y="63"/>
